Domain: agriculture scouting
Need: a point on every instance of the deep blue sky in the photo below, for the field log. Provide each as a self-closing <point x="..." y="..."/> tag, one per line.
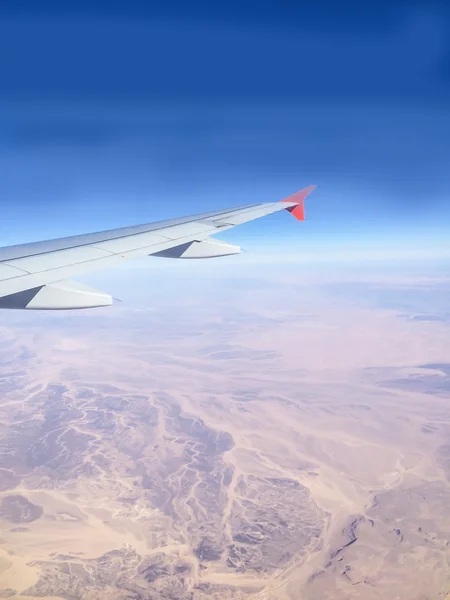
<point x="119" y="115"/>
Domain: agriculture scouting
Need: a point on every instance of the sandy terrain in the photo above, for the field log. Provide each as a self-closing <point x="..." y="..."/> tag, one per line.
<point x="288" y="449"/>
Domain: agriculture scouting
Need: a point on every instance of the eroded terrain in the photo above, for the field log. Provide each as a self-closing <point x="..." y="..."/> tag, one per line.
<point x="212" y="454"/>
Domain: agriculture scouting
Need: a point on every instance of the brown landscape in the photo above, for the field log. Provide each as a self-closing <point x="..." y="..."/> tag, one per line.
<point x="278" y="442"/>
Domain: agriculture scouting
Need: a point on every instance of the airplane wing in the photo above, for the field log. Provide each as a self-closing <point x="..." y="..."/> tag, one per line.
<point x="38" y="275"/>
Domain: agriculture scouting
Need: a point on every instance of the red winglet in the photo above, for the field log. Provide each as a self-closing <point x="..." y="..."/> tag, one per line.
<point x="299" y="198"/>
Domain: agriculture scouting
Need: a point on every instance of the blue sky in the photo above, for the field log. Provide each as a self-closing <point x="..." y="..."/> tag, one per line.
<point x="116" y="116"/>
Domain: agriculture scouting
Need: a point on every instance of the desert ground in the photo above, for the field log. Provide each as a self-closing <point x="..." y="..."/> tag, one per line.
<point x="280" y="442"/>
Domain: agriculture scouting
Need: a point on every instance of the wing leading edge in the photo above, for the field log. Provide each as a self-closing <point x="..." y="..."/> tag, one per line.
<point x="37" y="275"/>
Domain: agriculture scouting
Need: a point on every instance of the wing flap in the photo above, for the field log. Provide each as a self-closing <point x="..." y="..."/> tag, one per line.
<point x="8" y="272"/>
<point x="187" y="230"/>
<point x="55" y="260"/>
<point x="130" y="243"/>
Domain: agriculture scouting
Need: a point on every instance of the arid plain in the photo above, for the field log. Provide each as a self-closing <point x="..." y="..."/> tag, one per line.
<point x="241" y="438"/>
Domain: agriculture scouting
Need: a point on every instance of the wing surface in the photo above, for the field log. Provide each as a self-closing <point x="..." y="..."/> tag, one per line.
<point x="36" y="275"/>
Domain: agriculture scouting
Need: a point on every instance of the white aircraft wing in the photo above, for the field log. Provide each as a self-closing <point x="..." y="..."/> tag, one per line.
<point x="37" y="275"/>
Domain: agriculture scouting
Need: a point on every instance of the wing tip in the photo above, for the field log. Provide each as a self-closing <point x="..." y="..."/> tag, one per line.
<point x="298" y="211"/>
